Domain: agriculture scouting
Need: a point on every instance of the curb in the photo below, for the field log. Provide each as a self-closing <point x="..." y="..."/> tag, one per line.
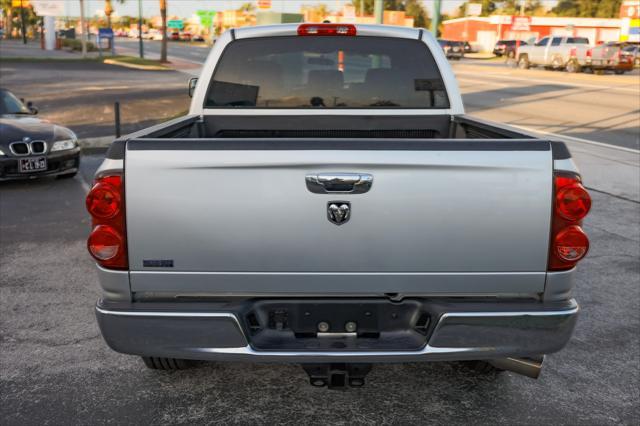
<point x="99" y="142"/>
<point x="137" y="66"/>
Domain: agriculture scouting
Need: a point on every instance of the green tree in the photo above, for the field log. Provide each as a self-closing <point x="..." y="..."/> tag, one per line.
<point x="413" y="8"/>
<point x="247" y="8"/>
<point x="513" y="7"/>
<point x="488" y="7"/>
<point x="588" y="8"/>
<point x="108" y="10"/>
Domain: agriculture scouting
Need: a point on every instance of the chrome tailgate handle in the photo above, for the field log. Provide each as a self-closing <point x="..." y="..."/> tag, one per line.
<point x="339" y="183"/>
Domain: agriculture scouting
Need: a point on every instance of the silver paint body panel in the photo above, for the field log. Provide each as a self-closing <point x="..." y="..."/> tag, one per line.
<point x="429" y="212"/>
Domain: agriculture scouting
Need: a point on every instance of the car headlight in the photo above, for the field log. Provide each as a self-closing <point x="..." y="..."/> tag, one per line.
<point x="62" y="145"/>
<point x="2" y="154"/>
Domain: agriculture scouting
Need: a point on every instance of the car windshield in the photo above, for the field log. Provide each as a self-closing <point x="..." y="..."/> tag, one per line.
<point x="9" y="104"/>
<point x="327" y="72"/>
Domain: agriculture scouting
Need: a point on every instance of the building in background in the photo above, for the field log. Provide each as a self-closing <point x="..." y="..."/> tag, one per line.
<point x="630" y="21"/>
<point x="483" y="32"/>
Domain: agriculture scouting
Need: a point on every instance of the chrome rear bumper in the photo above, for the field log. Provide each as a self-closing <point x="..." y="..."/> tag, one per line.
<point x="457" y="335"/>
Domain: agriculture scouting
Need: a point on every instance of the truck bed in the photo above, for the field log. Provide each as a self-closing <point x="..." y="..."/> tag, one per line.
<point x="229" y="211"/>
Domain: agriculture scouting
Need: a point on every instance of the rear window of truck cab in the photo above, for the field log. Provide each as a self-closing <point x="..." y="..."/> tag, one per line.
<point x="326" y="72"/>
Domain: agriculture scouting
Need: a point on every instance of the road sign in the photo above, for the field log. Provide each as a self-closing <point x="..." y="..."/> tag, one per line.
<point x="474" y="9"/>
<point x="206" y="17"/>
<point x="175" y="23"/>
<point x="521" y="23"/>
<point x="264" y="4"/>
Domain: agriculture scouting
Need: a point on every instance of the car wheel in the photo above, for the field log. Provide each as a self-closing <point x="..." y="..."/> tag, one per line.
<point x="598" y="72"/>
<point x="556" y="63"/>
<point x="618" y="72"/>
<point x="573" y="66"/>
<point x="523" y="62"/>
<point x="159" y="363"/>
<point x="511" y="54"/>
<point x="482" y="367"/>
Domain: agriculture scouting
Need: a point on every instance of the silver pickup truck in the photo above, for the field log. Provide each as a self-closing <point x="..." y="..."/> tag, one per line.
<point x="557" y="53"/>
<point x="327" y="202"/>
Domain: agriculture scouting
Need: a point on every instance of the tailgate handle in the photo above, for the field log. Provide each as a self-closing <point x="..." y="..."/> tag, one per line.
<point x="344" y="183"/>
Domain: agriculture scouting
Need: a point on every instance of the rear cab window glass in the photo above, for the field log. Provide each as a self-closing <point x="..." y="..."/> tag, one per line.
<point x="577" y="40"/>
<point x="326" y="72"/>
<point x="543" y="42"/>
<point x="556" y="41"/>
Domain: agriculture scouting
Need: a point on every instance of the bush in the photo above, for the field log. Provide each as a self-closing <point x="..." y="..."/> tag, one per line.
<point x="75" y="44"/>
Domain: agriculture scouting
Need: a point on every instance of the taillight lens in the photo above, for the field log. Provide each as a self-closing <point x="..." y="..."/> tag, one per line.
<point x="103" y="201"/>
<point x="589" y="53"/>
<point x="104" y="242"/>
<point x="569" y="243"/>
<point x="573" y="202"/>
<point x="107" y="241"/>
<point x="326" y="30"/>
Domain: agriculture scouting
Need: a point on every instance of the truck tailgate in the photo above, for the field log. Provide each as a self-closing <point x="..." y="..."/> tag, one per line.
<point x="236" y="217"/>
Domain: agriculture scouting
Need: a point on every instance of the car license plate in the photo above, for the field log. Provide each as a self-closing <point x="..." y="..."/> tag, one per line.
<point x="33" y="164"/>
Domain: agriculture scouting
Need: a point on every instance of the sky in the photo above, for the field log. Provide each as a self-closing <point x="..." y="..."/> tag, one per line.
<point x="185" y="8"/>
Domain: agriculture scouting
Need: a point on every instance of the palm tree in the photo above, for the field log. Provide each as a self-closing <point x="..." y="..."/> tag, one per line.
<point x="108" y="10"/>
<point x="163" y="14"/>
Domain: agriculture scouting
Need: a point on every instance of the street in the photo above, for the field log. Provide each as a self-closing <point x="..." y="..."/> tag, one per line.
<point x="56" y="369"/>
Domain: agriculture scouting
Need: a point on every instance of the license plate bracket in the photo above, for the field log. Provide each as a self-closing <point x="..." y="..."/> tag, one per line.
<point x="32" y="164"/>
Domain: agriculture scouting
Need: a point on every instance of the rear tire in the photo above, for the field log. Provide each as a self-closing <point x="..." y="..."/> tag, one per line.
<point x="523" y="62"/>
<point x="556" y="63"/>
<point x="167" y="364"/>
<point x="618" y="72"/>
<point x="573" y="67"/>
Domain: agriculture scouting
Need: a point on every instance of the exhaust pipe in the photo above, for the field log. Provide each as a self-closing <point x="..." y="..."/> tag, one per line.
<point x="529" y="367"/>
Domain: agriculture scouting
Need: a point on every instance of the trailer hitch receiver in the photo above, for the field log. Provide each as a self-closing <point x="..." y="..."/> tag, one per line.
<point x="338" y="375"/>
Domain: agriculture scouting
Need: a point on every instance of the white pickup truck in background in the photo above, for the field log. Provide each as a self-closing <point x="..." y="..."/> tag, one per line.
<point x="558" y="53"/>
<point x="327" y="202"/>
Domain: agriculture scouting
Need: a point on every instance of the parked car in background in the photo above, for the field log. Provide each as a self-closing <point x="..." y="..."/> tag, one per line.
<point x="30" y="147"/>
<point x="468" y="48"/>
<point x="185" y="36"/>
<point x="452" y="49"/>
<point x="634" y="50"/>
<point x="174" y="36"/>
<point x="507" y="48"/>
<point x="611" y="56"/>
<point x="556" y="53"/>
<point x="197" y="37"/>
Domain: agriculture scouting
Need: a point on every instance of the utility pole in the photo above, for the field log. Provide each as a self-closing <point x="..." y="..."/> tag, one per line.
<point x="84" y="30"/>
<point x="140" y="44"/>
<point x="435" y="22"/>
<point x="378" y="11"/>
<point x="23" y="24"/>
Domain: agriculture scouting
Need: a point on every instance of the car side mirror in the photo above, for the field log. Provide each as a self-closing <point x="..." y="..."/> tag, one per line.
<point x="192" y="86"/>
<point x="32" y="108"/>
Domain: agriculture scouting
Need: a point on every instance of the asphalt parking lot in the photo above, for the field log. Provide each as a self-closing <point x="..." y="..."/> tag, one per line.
<point x="56" y="369"/>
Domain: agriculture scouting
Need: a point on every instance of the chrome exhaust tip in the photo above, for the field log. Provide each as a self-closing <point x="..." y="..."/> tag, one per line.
<point x="529" y="367"/>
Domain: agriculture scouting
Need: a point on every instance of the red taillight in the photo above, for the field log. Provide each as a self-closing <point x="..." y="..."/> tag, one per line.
<point x="104" y="199"/>
<point x="573" y="52"/>
<point x="107" y="241"/>
<point x="589" y="53"/>
<point x="326" y="30"/>
<point x="569" y="243"/>
<point x="573" y="202"/>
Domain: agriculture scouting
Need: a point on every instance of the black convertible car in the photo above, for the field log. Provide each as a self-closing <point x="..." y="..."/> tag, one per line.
<point x="30" y="147"/>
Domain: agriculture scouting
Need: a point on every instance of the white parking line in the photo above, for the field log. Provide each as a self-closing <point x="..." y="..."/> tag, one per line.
<point x="575" y="139"/>
<point x="550" y="81"/>
<point x="85" y="185"/>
